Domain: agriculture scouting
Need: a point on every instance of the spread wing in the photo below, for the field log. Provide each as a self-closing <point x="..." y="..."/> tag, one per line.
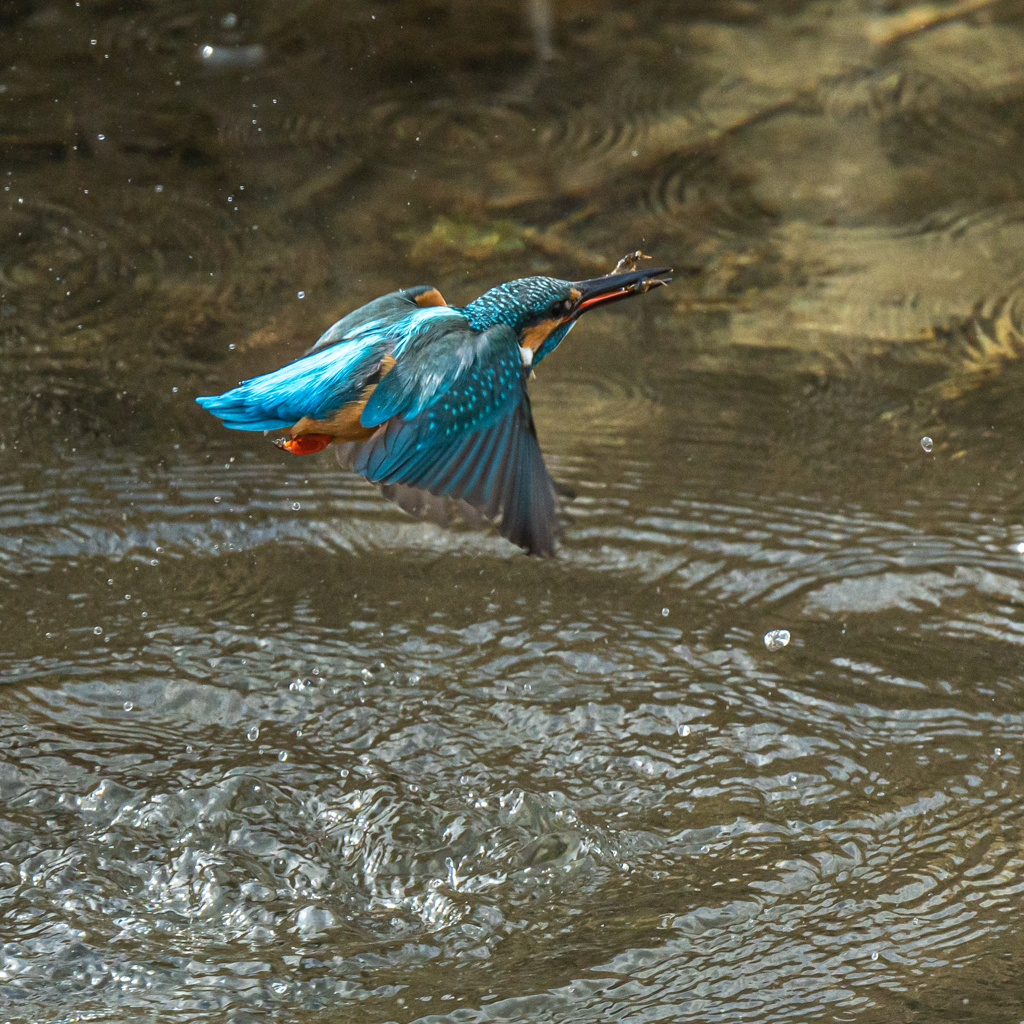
<point x="454" y="419"/>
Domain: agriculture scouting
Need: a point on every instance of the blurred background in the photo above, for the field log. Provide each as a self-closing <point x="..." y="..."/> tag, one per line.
<point x="271" y="750"/>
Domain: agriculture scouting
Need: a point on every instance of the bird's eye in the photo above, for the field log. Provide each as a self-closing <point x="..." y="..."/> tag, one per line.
<point x="560" y="308"/>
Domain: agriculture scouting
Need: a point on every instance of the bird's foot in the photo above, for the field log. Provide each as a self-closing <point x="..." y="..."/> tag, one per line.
<point x="304" y="444"/>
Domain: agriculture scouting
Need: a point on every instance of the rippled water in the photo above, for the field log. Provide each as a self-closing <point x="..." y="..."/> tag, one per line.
<point x="274" y="749"/>
<point x="271" y="750"/>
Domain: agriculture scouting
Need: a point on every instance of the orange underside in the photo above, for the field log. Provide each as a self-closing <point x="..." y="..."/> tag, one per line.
<point x="304" y="444"/>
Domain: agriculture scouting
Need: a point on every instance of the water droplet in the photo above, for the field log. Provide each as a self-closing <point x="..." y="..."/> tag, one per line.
<point x="127" y="597"/>
<point x="874" y="956"/>
<point x="998" y="751"/>
<point x="159" y="550"/>
<point x="158" y="188"/>
<point x="128" y="705"/>
<point x="229" y="20"/>
<point x="302" y="295"/>
<point x="110" y="583"/>
<point x="188" y="749"/>
<point x="101" y="137"/>
<point x="295" y="686"/>
<point x="216" y="500"/>
<point x="253" y="733"/>
<point x="98" y="630"/>
<point x="776" y="639"/>
<point x="153" y="561"/>
<point x="926" y="443"/>
<point x="664" y="612"/>
<point x="1020" y="548"/>
<point x="684" y="730"/>
<point x="295" y="506"/>
<point x="283" y="756"/>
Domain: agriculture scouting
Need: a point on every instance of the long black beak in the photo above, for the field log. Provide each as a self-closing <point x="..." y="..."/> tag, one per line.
<point x="599" y="291"/>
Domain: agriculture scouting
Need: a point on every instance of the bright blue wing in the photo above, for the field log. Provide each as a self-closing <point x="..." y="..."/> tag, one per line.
<point x="331" y="374"/>
<point x="335" y="370"/>
<point x="315" y="385"/>
<point x="457" y="422"/>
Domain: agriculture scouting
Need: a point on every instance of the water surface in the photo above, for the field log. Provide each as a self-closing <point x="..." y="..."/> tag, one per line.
<point x="271" y="750"/>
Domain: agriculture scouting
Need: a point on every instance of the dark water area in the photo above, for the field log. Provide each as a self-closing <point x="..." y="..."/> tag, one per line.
<point x="272" y="750"/>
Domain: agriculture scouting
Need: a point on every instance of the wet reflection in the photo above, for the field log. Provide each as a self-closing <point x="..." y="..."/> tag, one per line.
<point x="269" y="747"/>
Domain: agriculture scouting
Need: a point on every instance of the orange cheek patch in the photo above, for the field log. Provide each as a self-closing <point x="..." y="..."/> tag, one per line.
<point x="534" y="337"/>
<point x="304" y="444"/>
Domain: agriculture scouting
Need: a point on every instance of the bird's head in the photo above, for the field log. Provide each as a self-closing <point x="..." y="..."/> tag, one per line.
<point x="542" y="310"/>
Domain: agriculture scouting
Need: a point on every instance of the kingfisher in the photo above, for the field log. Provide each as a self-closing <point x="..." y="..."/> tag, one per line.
<point x="429" y="401"/>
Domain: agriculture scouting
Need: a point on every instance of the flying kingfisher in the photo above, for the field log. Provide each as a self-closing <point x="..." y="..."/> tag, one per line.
<point x="427" y="399"/>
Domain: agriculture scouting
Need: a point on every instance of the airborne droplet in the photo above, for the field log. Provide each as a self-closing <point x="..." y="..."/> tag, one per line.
<point x="776" y="639"/>
<point x="926" y="443"/>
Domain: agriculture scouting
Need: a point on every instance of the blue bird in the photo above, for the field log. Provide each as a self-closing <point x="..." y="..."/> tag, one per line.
<point x="427" y="399"/>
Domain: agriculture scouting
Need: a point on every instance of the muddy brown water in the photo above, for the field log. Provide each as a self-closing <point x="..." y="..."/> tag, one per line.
<point x="272" y="750"/>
